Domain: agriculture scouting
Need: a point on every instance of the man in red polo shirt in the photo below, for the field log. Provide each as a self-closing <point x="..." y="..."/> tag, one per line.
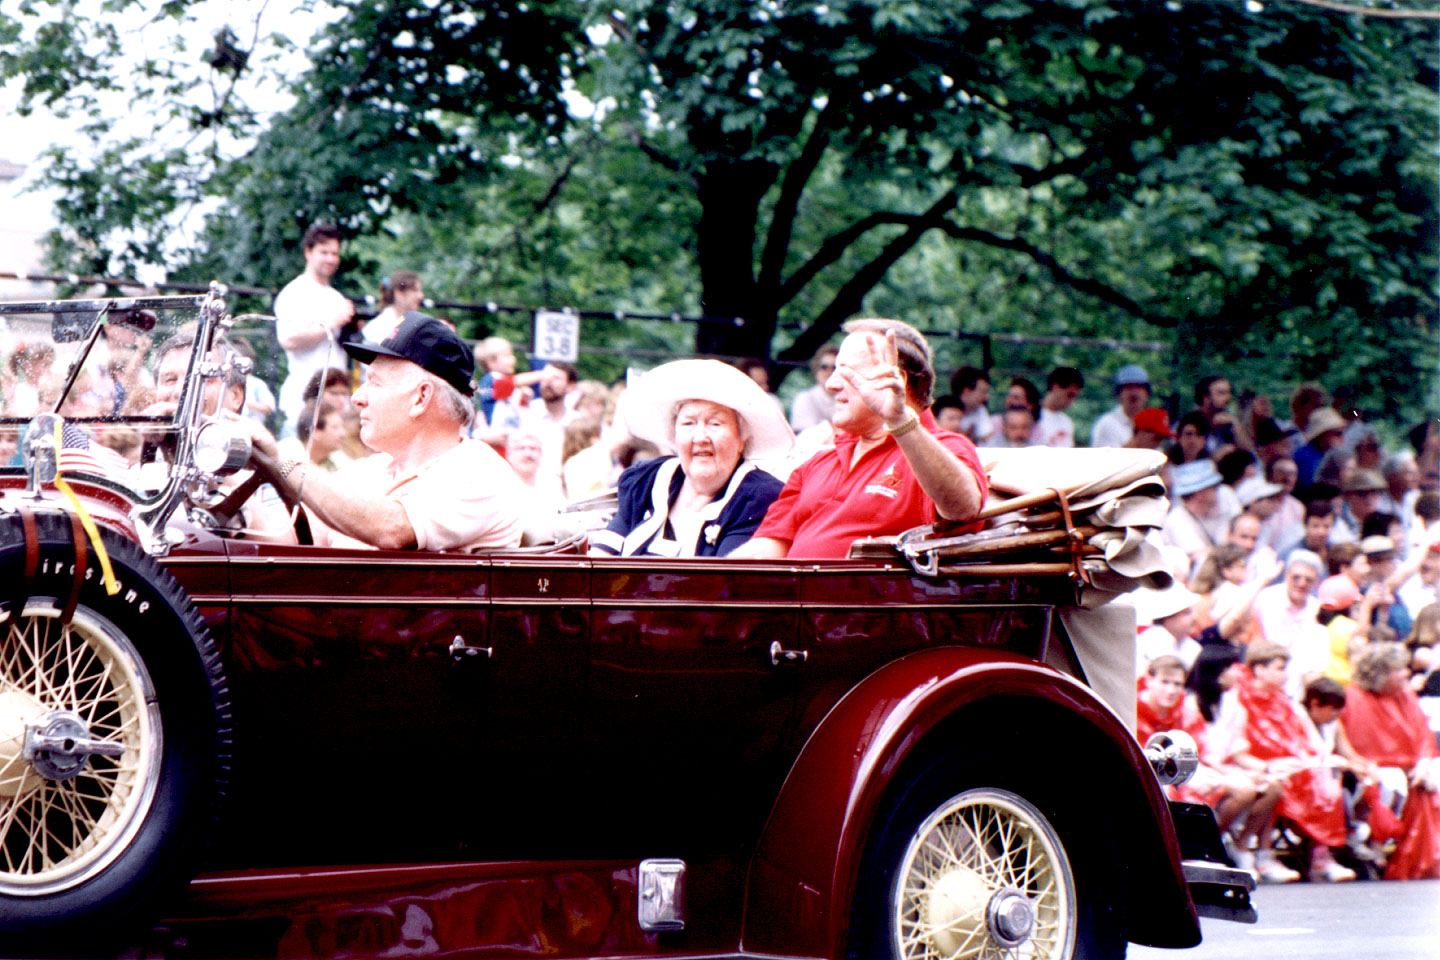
<point x="892" y="467"/>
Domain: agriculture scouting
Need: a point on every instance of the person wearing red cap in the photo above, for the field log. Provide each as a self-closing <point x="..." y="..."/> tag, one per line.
<point x="1152" y="429"/>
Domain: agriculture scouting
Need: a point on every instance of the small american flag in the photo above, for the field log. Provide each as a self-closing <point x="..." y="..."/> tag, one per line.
<point x="80" y="454"/>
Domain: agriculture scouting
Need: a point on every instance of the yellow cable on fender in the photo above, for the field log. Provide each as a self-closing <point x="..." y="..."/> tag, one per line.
<point x="107" y="572"/>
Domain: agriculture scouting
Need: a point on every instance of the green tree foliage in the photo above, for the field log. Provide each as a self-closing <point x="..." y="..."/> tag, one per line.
<point x="1255" y="184"/>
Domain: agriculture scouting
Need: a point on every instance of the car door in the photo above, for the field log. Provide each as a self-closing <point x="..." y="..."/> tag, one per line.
<point x="376" y="717"/>
<point x="687" y="719"/>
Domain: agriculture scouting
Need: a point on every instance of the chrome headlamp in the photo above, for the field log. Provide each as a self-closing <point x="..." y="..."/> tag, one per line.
<point x="41" y="454"/>
<point x="1173" y="756"/>
<point x="221" y="448"/>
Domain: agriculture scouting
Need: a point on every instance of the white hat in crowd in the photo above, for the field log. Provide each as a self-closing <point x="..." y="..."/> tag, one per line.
<point x="1152" y="606"/>
<point x="1256" y="488"/>
<point x="651" y="405"/>
<point x="1195" y="476"/>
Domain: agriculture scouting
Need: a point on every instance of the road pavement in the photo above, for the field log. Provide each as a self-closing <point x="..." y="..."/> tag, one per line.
<point x="1325" y="921"/>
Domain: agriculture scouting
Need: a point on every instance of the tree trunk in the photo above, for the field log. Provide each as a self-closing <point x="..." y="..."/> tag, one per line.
<point x="730" y="195"/>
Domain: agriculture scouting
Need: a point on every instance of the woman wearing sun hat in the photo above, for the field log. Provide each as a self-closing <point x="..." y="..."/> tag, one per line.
<point x="708" y="496"/>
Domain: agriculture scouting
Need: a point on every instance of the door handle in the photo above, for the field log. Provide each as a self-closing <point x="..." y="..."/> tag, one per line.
<point x="779" y="654"/>
<point x="460" y="650"/>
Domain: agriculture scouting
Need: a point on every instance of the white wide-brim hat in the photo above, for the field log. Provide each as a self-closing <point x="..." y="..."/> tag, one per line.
<point x="650" y="405"/>
<point x="1152" y="606"/>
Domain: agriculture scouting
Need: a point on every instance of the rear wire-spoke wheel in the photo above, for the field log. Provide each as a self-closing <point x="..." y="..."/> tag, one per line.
<point x="984" y="876"/>
<point x="68" y="811"/>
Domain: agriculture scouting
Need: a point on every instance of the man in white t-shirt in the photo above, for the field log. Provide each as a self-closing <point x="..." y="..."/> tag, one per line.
<point x="309" y="315"/>
<point x="1055" y="428"/>
<point x="428" y="487"/>
<point x="1132" y="389"/>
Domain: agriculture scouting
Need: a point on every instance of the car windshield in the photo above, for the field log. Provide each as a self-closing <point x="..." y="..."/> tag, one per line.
<point x="116" y="372"/>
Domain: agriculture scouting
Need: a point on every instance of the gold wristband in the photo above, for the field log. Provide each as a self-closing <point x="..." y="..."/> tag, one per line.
<point x="905" y="427"/>
<point x="287" y="467"/>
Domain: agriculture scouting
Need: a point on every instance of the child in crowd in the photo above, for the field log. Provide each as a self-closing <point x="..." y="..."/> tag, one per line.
<point x="1263" y="731"/>
<point x="1161" y="705"/>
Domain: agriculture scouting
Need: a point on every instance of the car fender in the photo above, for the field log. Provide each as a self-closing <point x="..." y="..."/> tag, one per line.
<point x="805" y="868"/>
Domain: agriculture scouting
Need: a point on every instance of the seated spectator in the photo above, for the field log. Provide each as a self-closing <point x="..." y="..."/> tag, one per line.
<point x="1286" y="610"/>
<point x="319" y="435"/>
<point x="585" y="462"/>
<point x="1020" y="395"/>
<point x="1349" y="559"/>
<point x="971" y="387"/>
<point x="1055" y="428"/>
<point x="815" y="404"/>
<point x="1384" y="724"/>
<point x="1361" y="440"/>
<point x="1270" y="442"/>
<point x="891" y="468"/>
<point x="1426" y="528"/>
<point x="400" y="293"/>
<point x="499" y="387"/>
<point x="333" y="384"/>
<point x="1361" y="493"/>
<point x="1231" y="791"/>
<point x="759" y="371"/>
<point x="1117" y="426"/>
<point x="709" y="497"/>
<point x="428" y="488"/>
<point x="1419" y="591"/>
<point x="1323" y="433"/>
<point x="1260" y="499"/>
<point x="1170" y="615"/>
<point x="1323" y="700"/>
<point x="1244" y="532"/>
<point x="1017" y="428"/>
<point x="1286" y="527"/>
<point x="1213" y="396"/>
<point x="1402" y="478"/>
<point x="1304" y="402"/>
<point x="1217" y="581"/>
<point x="1342" y="609"/>
<point x="1190" y="433"/>
<point x="949" y="414"/>
<point x="1319" y="518"/>
<point x="1151" y="429"/>
<point x="1187" y="525"/>
<point x="1263" y="730"/>
<point x="523" y="455"/>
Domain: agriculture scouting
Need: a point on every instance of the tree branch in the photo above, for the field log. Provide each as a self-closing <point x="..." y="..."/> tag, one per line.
<point x="1095" y="288"/>
<point x="782" y="220"/>
<point x="847" y="301"/>
<point x="832" y="249"/>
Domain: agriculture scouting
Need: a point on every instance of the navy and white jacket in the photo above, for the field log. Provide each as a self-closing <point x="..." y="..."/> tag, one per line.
<point x="641" y="525"/>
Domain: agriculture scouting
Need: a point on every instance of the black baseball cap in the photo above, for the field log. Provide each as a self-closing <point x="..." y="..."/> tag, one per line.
<point x="427" y="343"/>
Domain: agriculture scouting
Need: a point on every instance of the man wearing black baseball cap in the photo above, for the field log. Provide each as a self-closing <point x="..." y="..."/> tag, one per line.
<point x="428" y="487"/>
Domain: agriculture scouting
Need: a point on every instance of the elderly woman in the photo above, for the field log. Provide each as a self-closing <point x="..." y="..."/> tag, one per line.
<point x="1385" y="725"/>
<point x="709" y="497"/>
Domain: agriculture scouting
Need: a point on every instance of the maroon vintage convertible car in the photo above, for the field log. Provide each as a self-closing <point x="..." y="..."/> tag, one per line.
<point x="212" y="745"/>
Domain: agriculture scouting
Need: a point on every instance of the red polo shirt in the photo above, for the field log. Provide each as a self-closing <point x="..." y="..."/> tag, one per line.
<point x="826" y="506"/>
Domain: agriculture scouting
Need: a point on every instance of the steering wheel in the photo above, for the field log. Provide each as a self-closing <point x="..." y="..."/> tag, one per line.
<point x="265" y="471"/>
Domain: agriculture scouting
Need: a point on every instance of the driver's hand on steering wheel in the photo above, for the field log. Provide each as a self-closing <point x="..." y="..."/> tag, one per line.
<point x="261" y="439"/>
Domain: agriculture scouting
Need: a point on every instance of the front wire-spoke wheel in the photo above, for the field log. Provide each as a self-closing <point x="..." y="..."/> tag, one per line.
<point x="80" y="748"/>
<point x="984" y="876"/>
